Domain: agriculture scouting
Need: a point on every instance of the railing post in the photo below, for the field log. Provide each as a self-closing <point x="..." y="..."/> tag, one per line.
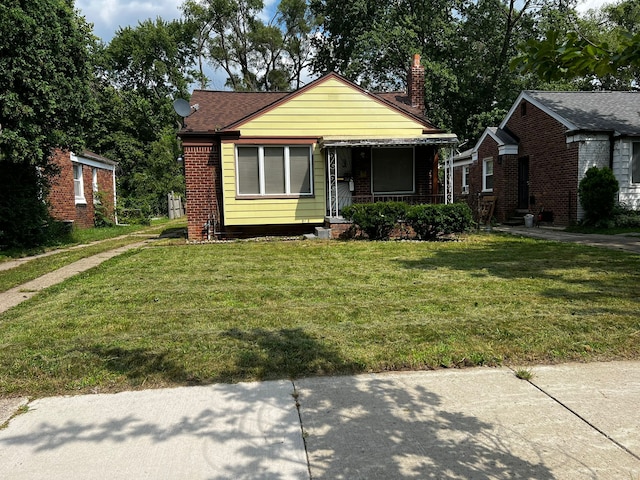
<point x="332" y="172"/>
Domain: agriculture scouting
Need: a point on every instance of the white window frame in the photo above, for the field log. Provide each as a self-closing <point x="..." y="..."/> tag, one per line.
<point x="465" y="178"/>
<point x="78" y="183"/>
<point x="485" y="174"/>
<point x="287" y="171"/>
<point x="413" y="173"/>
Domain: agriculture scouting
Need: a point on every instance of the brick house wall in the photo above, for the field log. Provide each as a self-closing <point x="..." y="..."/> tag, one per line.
<point x="204" y="192"/>
<point x="62" y="200"/>
<point x="553" y="164"/>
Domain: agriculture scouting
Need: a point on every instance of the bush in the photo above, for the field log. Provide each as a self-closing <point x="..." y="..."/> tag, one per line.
<point x="597" y="194"/>
<point x="430" y="221"/>
<point x="376" y="220"/>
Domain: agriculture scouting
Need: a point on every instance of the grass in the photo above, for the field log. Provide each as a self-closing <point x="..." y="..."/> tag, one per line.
<point x="82" y="236"/>
<point x="192" y="314"/>
<point x="108" y="238"/>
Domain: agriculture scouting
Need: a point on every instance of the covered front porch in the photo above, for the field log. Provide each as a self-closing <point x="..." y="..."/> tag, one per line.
<point x="367" y="170"/>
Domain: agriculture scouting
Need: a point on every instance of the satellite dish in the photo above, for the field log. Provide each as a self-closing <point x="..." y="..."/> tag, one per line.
<point x="182" y="107"/>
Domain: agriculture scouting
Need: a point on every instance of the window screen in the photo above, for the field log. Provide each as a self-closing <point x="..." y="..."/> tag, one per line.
<point x="635" y="163"/>
<point x="274" y="170"/>
<point x="392" y="170"/>
<point x="299" y="170"/>
<point x="248" y="171"/>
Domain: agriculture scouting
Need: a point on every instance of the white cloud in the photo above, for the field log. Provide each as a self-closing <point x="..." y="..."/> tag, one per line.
<point x="108" y="15"/>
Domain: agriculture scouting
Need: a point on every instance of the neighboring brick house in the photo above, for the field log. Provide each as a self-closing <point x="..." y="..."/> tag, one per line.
<point x="74" y="190"/>
<point x="537" y="156"/>
<point x="286" y="162"/>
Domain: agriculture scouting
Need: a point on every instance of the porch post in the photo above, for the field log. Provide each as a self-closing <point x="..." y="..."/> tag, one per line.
<point x="332" y="172"/>
<point x="448" y="177"/>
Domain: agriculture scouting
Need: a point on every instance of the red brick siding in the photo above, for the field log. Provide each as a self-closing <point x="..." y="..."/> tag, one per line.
<point x="203" y="189"/>
<point x="553" y="167"/>
<point x="553" y="164"/>
<point x="62" y="205"/>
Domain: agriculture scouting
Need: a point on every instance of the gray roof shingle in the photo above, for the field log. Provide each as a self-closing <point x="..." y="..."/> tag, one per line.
<point x="595" y="111"/>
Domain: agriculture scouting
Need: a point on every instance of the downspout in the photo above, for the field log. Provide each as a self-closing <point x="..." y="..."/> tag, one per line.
<point x="115" y="202"/>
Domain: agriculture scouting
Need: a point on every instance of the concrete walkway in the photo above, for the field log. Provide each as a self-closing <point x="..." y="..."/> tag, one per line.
<point x="19" y="294"/>
<point x="627" y="242"/>
<point x="574" y="421"/>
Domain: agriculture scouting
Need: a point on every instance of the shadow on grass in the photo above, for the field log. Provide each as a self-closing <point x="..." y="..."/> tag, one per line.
<point x="178" y="232"/>
<point x="284" y="353"/>
<point x="518" y="259"/>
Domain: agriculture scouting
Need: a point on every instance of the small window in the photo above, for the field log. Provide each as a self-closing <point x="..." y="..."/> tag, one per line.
<point x="78" y="183"/>
<point x="465" y="177"/>
<point x="523" y="109"/>
<point x="487" y="175"/>
<point x="635" y="163"/>
<point x="274" y="171"/>
<point x="393" y="170"/>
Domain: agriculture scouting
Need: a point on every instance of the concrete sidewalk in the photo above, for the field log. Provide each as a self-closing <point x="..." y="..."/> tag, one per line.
<point x="574" y="421"/>
<point x="626" y="242"/>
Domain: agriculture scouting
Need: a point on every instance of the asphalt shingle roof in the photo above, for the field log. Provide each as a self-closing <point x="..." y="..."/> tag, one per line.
<point x="220" y="110"/>
<point x="595" y="111"/>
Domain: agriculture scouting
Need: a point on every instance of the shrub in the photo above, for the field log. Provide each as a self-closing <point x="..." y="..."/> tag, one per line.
<point x="430" y="221"/>
<point x="376" y="220"/>
<point x="597" y="194"/>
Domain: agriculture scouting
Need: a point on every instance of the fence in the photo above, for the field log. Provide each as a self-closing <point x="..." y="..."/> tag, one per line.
<point x="176" y="206"/>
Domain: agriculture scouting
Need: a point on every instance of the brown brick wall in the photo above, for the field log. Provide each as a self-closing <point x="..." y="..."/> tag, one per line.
<point x="553" y="164"/>
<point x="203" y="189"/>
<point x="62" y="204"/>
<point x="553" y="167"/>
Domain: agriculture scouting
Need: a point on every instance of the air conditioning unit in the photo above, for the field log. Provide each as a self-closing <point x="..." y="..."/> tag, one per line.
<point x="465" y="189"/>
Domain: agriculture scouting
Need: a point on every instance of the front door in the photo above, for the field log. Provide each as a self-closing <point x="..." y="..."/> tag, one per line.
<point x="523" y="183"/>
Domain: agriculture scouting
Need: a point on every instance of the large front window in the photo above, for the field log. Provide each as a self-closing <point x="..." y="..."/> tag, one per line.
<point x="393" y="170"/>
<point x="274" y="170"/>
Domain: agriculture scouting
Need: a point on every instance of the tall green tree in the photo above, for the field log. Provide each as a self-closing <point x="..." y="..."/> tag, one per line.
<point x="140" y="72"/>
<point x="466" y="47"/>
<point x="602" y="48"/>
<point x="254" y="55"/>
<point x="46" y="102"/>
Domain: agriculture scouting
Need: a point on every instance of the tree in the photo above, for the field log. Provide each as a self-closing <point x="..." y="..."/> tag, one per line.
<point x="255" y="55"/>
<point x="604" y="48"/>
<point x="45" y="102"/>
<point x="140" y="72"/>
<point x="465" y="45"/>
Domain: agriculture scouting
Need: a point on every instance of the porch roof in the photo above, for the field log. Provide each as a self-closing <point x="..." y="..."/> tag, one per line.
<point x="441" y="139"/>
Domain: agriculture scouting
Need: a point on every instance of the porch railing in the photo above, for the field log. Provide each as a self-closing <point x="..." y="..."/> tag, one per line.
<point x="347" y="199"/>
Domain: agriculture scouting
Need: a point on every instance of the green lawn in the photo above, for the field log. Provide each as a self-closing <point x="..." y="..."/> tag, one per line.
<point x="190" y="314"/>
<point x="92" y="241"/>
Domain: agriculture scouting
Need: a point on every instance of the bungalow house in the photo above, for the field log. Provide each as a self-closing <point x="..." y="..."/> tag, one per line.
<point x="534" y="160"/>
<point x="276" y="162"/>
<point x="81" y="182"/>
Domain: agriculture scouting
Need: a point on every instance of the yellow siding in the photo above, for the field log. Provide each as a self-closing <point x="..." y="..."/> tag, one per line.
<point x="331" y="108"/>
<point x="272" y="211"/>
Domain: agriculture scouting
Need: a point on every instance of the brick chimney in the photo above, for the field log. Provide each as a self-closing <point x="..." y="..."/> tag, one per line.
<point x="415" y="84"/>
